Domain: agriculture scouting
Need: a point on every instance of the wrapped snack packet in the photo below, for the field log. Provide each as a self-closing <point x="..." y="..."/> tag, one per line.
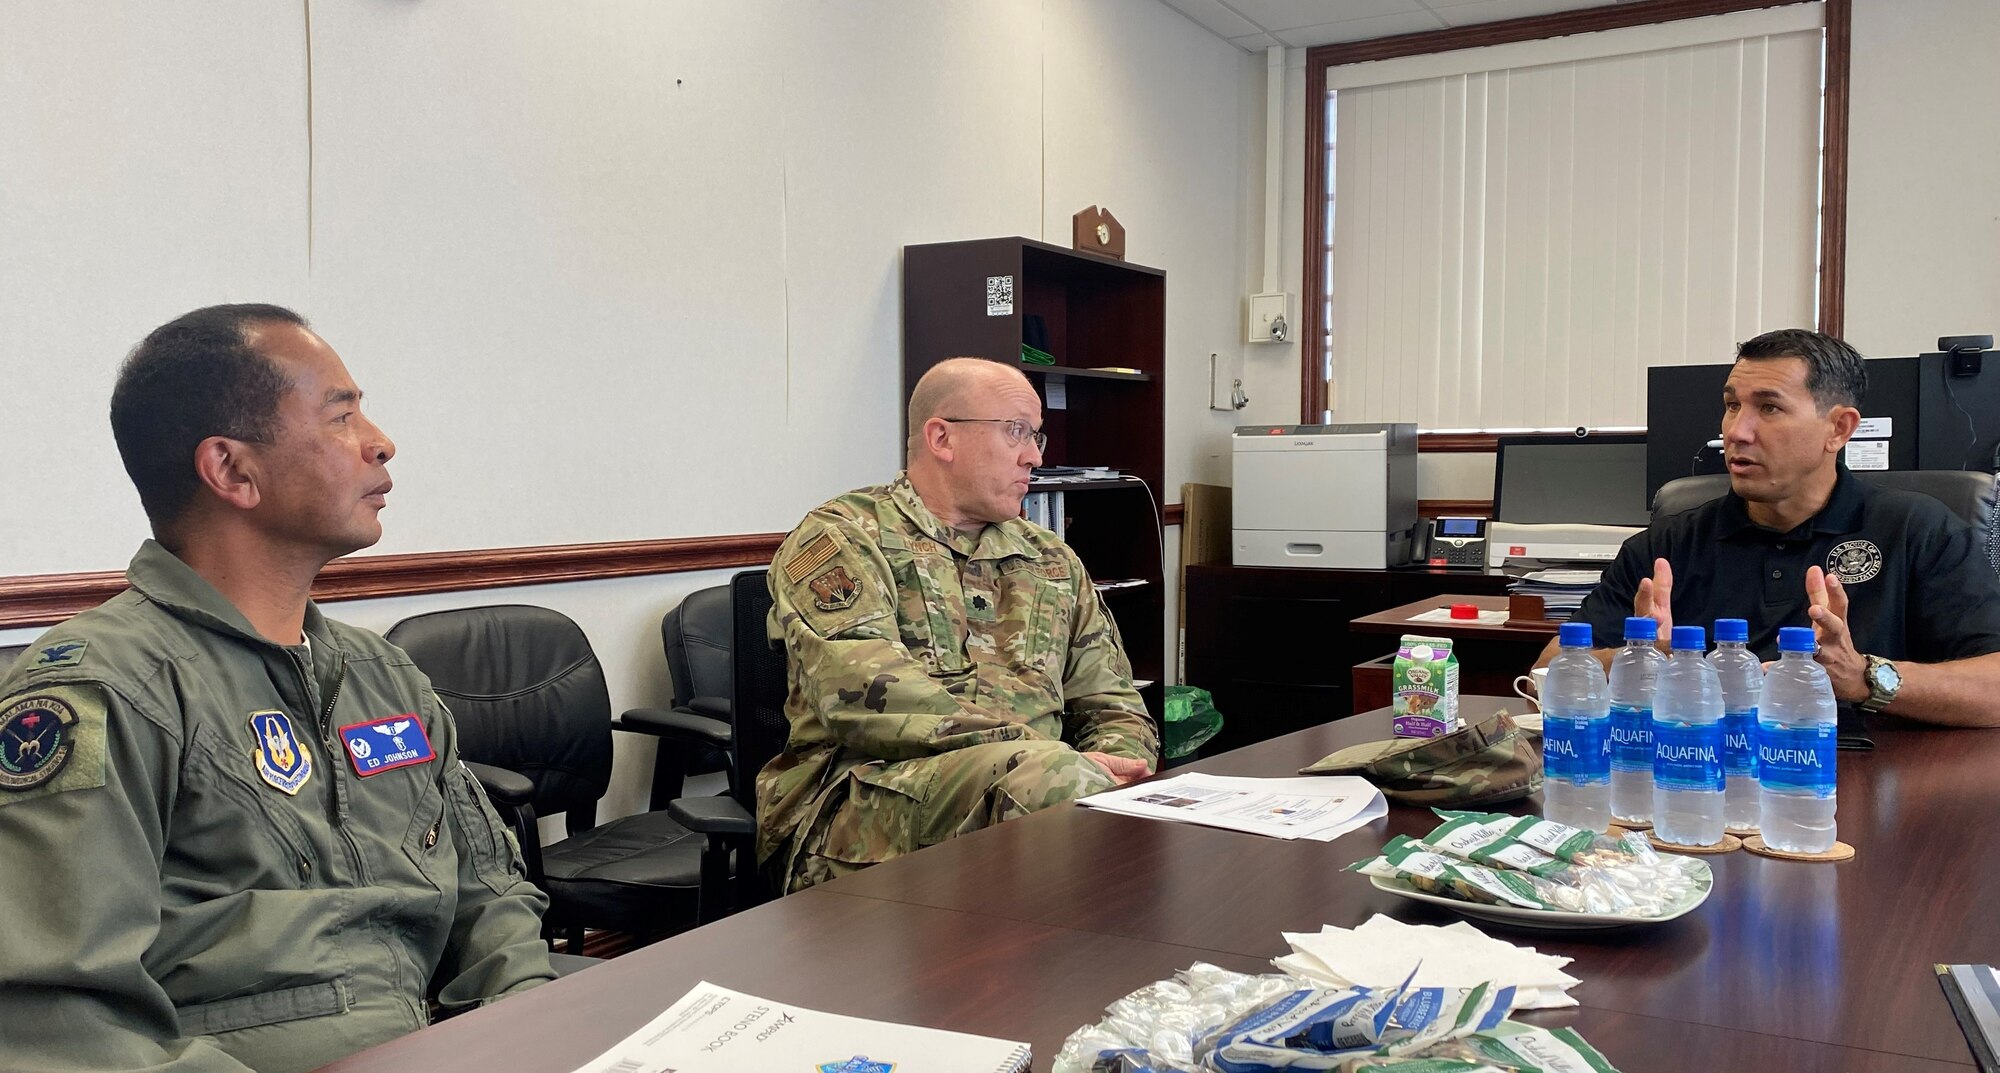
<point x="1491" y="841"/>
<point x="1313" y="1029"/>
<point x="1415" y="863"/>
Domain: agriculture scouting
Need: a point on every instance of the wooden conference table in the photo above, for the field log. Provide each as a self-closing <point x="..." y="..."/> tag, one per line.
<point x="1027" y="930"/>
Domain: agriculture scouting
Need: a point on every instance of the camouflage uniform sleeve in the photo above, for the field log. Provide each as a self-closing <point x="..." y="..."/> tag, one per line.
<point x="495" y="947"/>
<point x="835" y="597"/>
<point x="102" y="778"/>
<point x="1103" y="713"/>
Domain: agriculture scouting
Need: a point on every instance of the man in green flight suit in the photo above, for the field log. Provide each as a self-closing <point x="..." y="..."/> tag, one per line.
<point x="236" y="834"/>
<point x="951" y="664"/>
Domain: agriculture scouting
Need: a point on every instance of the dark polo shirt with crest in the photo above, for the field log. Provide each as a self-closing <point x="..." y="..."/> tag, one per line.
<point x="1919" y="585"/>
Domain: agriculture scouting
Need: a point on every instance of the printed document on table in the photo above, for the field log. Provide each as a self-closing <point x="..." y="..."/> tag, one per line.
<point x="1443" y="614"/>
<point x="1317" y="807"/>
<point x="715" y="1030"/>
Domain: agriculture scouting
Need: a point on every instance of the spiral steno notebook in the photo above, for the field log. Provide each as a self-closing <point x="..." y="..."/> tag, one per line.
<point x="715" y="1030"/>
<point x="1974" y="994"/>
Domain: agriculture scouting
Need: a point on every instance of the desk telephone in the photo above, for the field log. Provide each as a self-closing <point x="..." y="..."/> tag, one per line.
<point x="1453" y="542"/>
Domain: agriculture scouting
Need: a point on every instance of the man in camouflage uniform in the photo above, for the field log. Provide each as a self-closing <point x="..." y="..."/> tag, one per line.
<point x="951" y="664"/>
<point x="235" y="834"/>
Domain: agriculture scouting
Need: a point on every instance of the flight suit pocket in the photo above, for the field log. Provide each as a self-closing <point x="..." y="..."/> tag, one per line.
<point x="427" y="842"/>
<point x="479" y="833"/>
<point x="883" y="815"/>
<point x="210" y="820"/>
<point x="267" y="1008"/>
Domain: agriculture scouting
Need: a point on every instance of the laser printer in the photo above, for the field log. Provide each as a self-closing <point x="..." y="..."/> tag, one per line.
<point x="1324" y="496"/>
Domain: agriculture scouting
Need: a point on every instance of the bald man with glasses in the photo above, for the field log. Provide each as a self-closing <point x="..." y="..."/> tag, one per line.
<point x="951" y="665"/>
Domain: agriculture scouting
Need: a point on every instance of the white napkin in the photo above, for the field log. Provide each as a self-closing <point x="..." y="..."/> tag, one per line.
<point x="1383" y="951"/>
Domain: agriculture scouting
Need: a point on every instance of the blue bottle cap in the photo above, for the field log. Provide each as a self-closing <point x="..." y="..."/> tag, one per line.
<point x="1573" y="635"/>
<point x="1797" y="639"/>
<point x="1731" y="629"/>
<point x="1641" y="629"/>
<point x="1690" y="637"/>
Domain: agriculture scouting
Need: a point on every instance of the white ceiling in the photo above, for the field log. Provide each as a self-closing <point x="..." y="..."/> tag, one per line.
<point x="1258" y="24"/>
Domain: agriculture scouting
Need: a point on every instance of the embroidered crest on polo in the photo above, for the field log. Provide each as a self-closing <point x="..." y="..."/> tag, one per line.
<point x="37" y="736"/>
<point x="386" y="744"/>
<point x="282" y="757"/>
<point x="1855" y="561"/>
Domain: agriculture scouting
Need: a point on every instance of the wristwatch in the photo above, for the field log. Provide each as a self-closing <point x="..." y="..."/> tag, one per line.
<point x="1883" y="683"/>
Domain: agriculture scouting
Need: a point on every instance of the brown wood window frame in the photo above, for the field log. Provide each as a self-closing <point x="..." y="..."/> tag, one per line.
<point x="1833" y="133"/>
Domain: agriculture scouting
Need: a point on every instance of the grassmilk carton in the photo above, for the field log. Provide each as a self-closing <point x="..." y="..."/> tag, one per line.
<point x="1424" y="683"/>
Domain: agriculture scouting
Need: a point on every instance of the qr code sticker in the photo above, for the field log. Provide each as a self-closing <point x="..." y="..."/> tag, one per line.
<point x="999" y="296"/>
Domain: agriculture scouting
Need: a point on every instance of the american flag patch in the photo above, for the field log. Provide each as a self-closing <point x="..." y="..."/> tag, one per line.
<point x="817" y="553"/>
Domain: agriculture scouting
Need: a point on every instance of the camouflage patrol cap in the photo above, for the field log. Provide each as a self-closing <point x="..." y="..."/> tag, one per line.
<point x="1486" y="763"/>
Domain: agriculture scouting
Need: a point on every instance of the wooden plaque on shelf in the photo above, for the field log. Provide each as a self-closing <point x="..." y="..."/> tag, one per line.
<point x="1095" y="230"/>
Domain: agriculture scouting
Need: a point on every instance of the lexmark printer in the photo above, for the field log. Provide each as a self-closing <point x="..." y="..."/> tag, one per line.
<point x="1325" y="496"/>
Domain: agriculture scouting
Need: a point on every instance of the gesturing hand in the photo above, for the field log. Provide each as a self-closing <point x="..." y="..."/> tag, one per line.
<point x="1827" y="608"/>
<point x="1654" y="600"/>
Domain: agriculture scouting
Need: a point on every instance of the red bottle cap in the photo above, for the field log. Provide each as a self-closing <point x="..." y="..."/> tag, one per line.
<point x="1464" y="611"/>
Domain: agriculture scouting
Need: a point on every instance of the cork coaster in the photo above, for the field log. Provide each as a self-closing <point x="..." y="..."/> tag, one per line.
<point x="1742" y="832"/>
<point x="1632" y="825"/>
<point x="1841" y="851"/>
<point x="1729" y="844"/>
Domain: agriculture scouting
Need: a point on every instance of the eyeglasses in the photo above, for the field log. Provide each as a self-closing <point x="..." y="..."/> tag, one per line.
<point x="1015" y="428"/>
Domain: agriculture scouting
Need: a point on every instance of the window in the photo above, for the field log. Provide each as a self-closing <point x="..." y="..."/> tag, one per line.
<point x="1513" y="234"/>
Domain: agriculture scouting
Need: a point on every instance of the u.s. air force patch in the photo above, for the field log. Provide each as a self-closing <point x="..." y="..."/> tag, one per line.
<point x="836" y="589"/>
<point x="1855" y="561"/>
<point x="37" y="738"/>
<point x="282" y="759"/>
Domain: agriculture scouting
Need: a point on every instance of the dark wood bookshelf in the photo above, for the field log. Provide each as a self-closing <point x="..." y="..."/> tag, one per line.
<point x="1094" y="312"/>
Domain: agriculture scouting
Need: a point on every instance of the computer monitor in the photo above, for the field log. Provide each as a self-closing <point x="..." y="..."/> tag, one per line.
<point x="1598" y="479"/>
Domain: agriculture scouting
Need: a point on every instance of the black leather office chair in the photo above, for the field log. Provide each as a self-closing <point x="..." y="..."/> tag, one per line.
<point x="759" y="730"/>
<point x="1969" y="494"/>
<point x="696" y="637"/>
<point x="534" y="725"/>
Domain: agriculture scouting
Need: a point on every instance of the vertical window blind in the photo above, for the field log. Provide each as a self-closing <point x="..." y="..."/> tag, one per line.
<point x="1513" y="245"/>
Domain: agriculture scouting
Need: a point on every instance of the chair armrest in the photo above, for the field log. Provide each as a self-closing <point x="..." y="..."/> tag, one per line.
<point x="503" y="786"/>
<point x="682" y="724"/>
<point x="713" y="816"/>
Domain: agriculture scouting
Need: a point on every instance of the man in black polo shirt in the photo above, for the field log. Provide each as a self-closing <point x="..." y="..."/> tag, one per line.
<point x="1904" y="603"/>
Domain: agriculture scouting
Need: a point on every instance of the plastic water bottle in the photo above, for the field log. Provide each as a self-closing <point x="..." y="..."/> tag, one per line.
<point x="1796" y="738"/>
<point x="1687" y="745"/>
<point x="1576" y="739"/>
<point x="1632" y="674"/>
<point x="1742" y="675"/>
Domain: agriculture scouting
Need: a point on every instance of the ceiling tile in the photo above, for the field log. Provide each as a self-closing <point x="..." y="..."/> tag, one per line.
<point x="1275" y="15"/>
<point x="1464" y="14"/>
<point x="1362" y="29"/>
<point x="1216" y="16"/>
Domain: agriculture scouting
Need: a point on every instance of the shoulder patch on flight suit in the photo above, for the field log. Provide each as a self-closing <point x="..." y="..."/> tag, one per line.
<point x="61" y="654"/>
<point x="51" y="740"/>
<point x="836" y="589"/>
<point x="817" y="553"/>
<point x="282" y="757"/>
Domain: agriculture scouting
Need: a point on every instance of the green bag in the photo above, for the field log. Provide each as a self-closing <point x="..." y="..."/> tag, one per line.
<point x="1486" y="763"/>
<point x="1191" y="720"/>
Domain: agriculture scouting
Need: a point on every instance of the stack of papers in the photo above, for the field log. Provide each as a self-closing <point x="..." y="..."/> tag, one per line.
<point x="715" y="1030"/>
<point x="1383" y="952"/>
<point x="1319" y="807"/>
<point x="1562" y="591"/>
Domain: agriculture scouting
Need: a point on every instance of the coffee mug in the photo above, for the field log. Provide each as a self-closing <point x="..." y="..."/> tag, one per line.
<point x="1529" y="686"/>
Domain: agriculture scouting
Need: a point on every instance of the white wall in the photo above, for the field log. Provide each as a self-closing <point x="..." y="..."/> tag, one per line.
<point x="1923" y="179"/>
<point x="592" y="269"/>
